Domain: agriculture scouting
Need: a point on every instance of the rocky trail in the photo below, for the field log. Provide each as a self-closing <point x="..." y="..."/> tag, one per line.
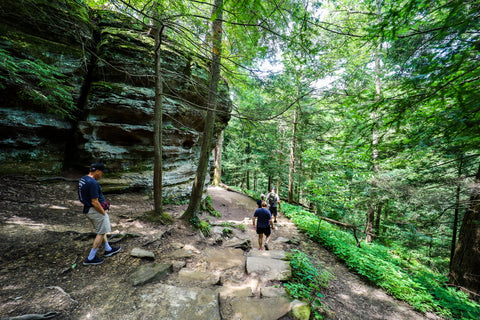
<point x="163" y="271"/>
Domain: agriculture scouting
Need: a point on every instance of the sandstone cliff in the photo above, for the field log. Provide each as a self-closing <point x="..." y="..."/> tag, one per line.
<point x="97" y="68"/>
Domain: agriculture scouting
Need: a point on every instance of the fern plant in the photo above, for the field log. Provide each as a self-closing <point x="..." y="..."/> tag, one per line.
<point x="400" y="275"/>
<point x="307" y="281"/>
<point x="38" y="83"/>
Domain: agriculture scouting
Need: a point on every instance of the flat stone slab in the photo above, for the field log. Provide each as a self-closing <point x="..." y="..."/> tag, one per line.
<point x="197" y="278"/>
<point x="182" y="254"/>
<point x="167" y="302"/>
<point x="272" y="292"/>
<point x="239" y="291"/>
<point x="142" y="253"/>
<point x="149" y="273"/>
<point x="252" y="308"/>
<point x="268" y="265"/>
<point x="272" y="254"/>
<point x="223" y="259"/>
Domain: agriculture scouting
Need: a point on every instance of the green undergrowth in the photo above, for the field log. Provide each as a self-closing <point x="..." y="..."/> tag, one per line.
<point x="388" y="267"/>
<point x="307" y="281"/>
<point x="202" y="225"/>
<point x="208" y="207"/>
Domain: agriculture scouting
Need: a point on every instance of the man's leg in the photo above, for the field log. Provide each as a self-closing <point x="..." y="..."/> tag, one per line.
<point x="260" y="240"/>
<point x="109" y="251"/>
<point x="99" y="240"/>
<point x="267" y="237"/>
<point x="92" y="257"/>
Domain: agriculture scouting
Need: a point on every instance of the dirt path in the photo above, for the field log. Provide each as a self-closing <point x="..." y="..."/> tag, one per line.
<point x="41" y="267"/>
<point x="348" y="296"/>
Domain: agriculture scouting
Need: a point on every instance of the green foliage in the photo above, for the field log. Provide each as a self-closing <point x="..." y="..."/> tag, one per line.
<point x="162" y="218"/>
<point x="227" y="232"/>
<point x="201" y="225"/>
<point x="207" y="206"/>
<point x="228" y="224"/>
<point x="38" y="83"/>
<point x="390" y="268"/>
<point x="307" y="281"/>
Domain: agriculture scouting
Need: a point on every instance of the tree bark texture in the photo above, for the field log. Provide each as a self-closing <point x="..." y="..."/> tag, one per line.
<point x="158" y="124"/>
<point x="375" y="141"/>
<point x="217" y="155"/>
<point x="291" y="168"/>
<point x="456" y="213"/>
<point x="198" y="184"/>
<point x="465" y="266"/>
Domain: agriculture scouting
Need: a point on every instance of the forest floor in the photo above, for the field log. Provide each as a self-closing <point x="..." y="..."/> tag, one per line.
<point x="44" y="239"/>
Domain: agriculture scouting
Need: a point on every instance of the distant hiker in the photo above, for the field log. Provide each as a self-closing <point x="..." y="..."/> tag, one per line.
<point x="273" y="200"/>
<point x="263" y="219"/>
<point x="95" y="207"/>
<point x="259" y="202"/>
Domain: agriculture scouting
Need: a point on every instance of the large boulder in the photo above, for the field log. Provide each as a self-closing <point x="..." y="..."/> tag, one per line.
<point x="99" y="66"/>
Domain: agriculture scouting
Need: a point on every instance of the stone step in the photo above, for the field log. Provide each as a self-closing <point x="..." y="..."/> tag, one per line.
<point x="233" y="286"/>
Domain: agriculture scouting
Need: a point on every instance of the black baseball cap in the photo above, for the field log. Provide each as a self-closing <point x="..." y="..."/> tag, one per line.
<point x="98" y="166"/>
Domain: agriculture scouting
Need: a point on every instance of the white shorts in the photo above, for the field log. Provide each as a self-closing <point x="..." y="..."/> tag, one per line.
<point x="100" y="222"/>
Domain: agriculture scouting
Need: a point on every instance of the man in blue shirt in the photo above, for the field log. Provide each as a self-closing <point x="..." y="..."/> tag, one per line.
<point x="262" y="221"/>
<point x="95" y="207"/>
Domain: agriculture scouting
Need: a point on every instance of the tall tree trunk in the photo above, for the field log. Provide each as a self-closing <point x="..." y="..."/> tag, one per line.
<point x="291" y="168"/>
<point x="198" y="184"/>
<point x="375" y="140"/>
<point x="217" y="155"/>
<point x="464" y="270"/>
<point x="158" y="124"/>
<point x="456" y="213"/>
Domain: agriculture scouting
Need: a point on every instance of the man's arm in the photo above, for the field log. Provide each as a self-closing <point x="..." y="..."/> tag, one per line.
<point x="96" y="204"/>
<point x="254" y="218"/>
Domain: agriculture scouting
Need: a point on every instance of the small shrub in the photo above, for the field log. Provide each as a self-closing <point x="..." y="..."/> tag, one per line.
<point x="307" y="281"/>
<point x="201" y="225"/>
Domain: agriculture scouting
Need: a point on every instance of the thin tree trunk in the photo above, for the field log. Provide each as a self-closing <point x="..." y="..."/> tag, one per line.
<point x="464" y="270"/>
<point x="198" y="184"/>
<point x="158" y="124"/>
<point x="217" y="172"/>
<point x="456" y="213"/>
<point x="377" y="219"/>
<point x="375" y="140"/>
<point x="291" y="168"/>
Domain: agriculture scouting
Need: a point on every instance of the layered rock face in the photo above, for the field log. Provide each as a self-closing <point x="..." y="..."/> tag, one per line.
<point x="101" y="63"/>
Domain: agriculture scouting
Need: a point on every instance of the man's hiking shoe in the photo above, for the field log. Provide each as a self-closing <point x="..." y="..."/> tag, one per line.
<point x="266" y="246"/>
<point x="94" y="261"/>
<point x="112" y="252"/>
<point x="275" y="221"/>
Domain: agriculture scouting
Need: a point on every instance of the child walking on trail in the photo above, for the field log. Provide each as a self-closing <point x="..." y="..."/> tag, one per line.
<point x="263" y="223"/>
